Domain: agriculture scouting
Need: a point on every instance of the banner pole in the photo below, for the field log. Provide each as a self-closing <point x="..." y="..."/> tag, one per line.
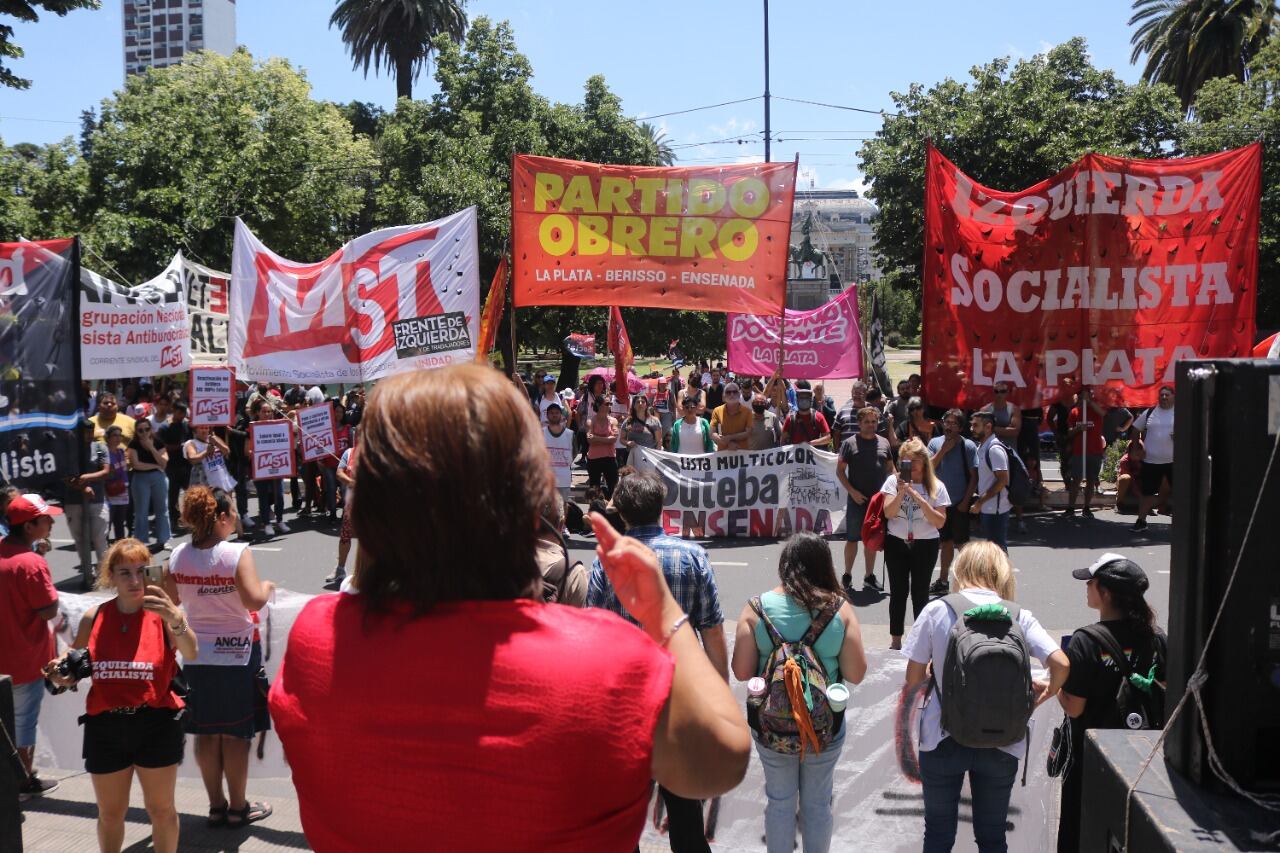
<point x="511" y="319"/>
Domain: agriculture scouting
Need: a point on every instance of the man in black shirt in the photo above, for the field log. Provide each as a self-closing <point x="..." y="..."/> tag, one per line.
<point x="715" y="392"/>
<point x="173" y="435"/>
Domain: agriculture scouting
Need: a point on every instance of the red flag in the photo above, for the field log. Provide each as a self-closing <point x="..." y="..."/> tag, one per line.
<point x="620" y="346"/>
<point x="492" y="312"/>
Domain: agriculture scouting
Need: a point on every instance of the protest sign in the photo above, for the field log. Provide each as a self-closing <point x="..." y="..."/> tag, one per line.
<point x="134" y="331"/>
<point x="1103" y="276"/>
<point x="398" y="299"/>
<point x="709" y="238"/>
<point x="213" y="396"/>
<point x="207" y="308"/>
<point x="273" y="457"/>
<point x="747" y="493"/>
<point x="40" y="380"/>
<point x="820" y="344"/>
<point x="318" y="431"/>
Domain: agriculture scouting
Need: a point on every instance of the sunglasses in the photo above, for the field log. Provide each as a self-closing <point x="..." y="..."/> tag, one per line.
<point x="1002" y="390"/>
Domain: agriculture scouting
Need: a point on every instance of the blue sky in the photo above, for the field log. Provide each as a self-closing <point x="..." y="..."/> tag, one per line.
<point x="659" y="56"/>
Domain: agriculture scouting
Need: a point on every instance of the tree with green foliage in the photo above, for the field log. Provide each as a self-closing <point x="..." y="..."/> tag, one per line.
<point x="666" y="156"/>
<point x="29" y="11"/>
<point x="1230" y="114"/>
<point x="1008" y="129"/>
<point x="181" y="151"/>
<point x="46" y="188"/>
<point x="397" y="34"/>
<point x="1188" y="42"/>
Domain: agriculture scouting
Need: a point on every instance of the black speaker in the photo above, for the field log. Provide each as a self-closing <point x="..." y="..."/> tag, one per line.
<point x="1227" y="418"/>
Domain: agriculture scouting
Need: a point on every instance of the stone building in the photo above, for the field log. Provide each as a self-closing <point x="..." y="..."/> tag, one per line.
<point x="830" y="236"/>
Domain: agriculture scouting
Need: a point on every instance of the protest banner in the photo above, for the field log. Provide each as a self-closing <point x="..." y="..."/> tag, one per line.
<point x="580" y="346"/>
<point x="39" y="362"/>
<point x="134" y="331"/>
<point x="318" y="431"/>
<point x="1103" y="276"/>
<point x="820" y="344"/>
<point x="213" y="396"/>
<point x="273" y="457"/>
<point x="747" y="493"/>
<point x="398" y="299"/>
<point x="707" y="238"/>
<point x="207" y="296"/>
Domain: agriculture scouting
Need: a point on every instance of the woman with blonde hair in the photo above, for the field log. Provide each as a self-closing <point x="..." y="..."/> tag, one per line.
<point x="131" y="723"/>
<point x="981" y="576"/>
<point x="915" y="509"/>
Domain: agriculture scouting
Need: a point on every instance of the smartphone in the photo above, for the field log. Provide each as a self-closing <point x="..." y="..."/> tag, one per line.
<point x="155" y="573"/>
<point x="904" y="469"/>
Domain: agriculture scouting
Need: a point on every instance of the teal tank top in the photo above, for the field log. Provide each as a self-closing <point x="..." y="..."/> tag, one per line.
<point x="792" y="620"/>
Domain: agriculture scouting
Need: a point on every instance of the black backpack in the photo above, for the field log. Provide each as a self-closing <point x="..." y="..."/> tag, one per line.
<point x="1139" y="698"/>
<point x="1019" y="490"/>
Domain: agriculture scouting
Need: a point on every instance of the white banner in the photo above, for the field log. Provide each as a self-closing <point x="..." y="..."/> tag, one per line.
<point x="273" y="457"/>
<point x="319" y="432"/>
<point x="748" y="493"/>
<point x="207" y="307"/>
<point x="134" y="331"/>
<point x="213" y="396"/>
<point x="399" y="299"/>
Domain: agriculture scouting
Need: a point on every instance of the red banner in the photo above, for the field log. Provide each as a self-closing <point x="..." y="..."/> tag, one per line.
<point x="707" y="238"/>
<point x="620" y="345"/>
<point x="492" y="313"/>
<point x="1101" y="277"/>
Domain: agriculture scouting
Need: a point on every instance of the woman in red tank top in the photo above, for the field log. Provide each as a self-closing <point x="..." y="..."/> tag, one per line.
<point x="131" y="725"/>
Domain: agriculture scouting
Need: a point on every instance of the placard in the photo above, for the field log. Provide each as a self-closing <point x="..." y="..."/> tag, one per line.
<point x="273" y="457"/>
<point x="319" y="433"/>
<point x="213" y="396"/>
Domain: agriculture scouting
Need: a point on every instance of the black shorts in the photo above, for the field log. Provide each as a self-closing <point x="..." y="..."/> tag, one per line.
<point x="1029" y="442"/>
<point x="853" y="517"/>
<point x="150" y="738"/>
<point x="1152" y="475"/>
<point x="956" y="528"/>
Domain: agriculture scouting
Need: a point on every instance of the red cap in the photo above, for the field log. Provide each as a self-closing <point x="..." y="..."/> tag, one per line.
<point x="26" y="508"/>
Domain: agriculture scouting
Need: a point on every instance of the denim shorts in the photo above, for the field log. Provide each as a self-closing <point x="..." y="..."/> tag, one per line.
<point x="26" y="710"/>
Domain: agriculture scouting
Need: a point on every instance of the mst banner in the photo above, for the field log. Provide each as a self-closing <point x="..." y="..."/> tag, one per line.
<point x="39" y="362"/>
<point x="134" y="331"/>
<point x="1104" y="275"/>
<point x="748" y="493"/>
<point x="820" y="344"/>
<point x="398" y="299"/>
<point x="707" y="238"/>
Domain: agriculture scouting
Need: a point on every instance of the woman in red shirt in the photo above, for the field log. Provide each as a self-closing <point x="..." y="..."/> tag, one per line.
<point x="443" y="704"/>
<point x="131" y="721"/>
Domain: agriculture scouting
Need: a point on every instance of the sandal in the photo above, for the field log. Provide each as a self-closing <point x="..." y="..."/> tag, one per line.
<point x="251" y="813"/>
<point x="217" y="815"/>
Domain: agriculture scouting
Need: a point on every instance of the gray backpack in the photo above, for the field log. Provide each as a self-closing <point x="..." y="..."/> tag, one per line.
<point x="986" y="696"/>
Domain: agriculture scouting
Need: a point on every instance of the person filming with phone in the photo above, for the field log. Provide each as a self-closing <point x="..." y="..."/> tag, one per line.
<point x="127" y="645"/>
<point x="915" y="507"/>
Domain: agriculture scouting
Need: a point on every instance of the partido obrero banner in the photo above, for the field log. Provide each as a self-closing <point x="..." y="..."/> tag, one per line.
<point x="702" y="238"/>
<point x="824" y="343"/>
<point x="398" y="299"/>
<point x="1101" y="277"/>
<point x="747" y="493"/>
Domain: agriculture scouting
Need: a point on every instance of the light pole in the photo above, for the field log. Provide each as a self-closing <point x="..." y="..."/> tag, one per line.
<point x="766" y="81"/>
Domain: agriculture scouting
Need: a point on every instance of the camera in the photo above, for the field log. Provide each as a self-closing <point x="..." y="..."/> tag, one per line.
<point x="77" y="664"/>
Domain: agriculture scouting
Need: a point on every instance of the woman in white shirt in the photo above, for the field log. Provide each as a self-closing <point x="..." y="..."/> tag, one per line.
<point x="915" y="507"/>
<point x="983" y="575"/>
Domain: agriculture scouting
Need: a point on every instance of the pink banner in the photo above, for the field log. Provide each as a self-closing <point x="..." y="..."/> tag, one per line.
<point x="820" y="344"/>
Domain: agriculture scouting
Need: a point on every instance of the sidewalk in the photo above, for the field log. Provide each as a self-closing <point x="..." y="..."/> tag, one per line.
<point x="66" y="820"/>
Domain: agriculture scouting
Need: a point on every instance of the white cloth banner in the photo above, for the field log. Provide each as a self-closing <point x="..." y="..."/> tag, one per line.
<point x="398" y="299"/>
<point x="748" y="493"/>
<point x="207" y="307"/>
<point x="134" y="331"/>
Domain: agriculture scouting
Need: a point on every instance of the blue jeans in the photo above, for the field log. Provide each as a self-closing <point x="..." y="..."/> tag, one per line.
<point x="995" y="527"/>
<point x="150" y="491"/>
<point x="991" y="777"/>
<point x="786" y="777"/>
<point x="26" y="711"/>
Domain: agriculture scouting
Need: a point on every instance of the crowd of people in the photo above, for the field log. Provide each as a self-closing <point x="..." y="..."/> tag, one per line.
<point x="486" y="694"/>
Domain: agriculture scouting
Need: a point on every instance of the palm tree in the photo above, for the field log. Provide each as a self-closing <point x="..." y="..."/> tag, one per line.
<point x="1187" y="42"/>
<point x="661" y="144"/>
<point x="396" y="34"/>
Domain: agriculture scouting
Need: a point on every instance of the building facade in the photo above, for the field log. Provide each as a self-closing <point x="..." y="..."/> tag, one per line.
<point x="158" y="33"/>
<point x="830" y="235"/>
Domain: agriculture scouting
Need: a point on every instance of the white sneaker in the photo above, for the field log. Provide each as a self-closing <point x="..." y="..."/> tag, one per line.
<point x="282" y="527"/>
<point x="247" y="523"/>
<point x="268" y="531"/>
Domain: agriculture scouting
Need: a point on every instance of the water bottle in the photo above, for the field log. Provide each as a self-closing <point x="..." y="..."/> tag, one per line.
<point x="756" y="689"/>
<point x="1134" y="720"/>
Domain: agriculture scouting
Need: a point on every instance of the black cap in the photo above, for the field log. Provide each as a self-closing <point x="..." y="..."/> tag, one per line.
<point x="1114" y="570"/>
